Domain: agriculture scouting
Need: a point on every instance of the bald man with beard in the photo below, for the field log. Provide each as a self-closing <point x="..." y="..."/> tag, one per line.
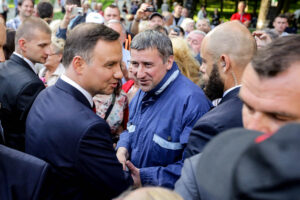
<point x="225" y="52"/>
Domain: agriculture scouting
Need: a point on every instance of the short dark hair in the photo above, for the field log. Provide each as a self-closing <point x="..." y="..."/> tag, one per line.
<point x="277" y="56"/>
<point x="45" y="10"/>
<point x="76" y="2"/>
<point x="283" y="16"/>
<point x="20" y="2"/>
<point x="82" y="40"/>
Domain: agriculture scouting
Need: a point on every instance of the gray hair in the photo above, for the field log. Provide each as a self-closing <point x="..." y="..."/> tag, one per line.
<point x="206" y="20"/>
<point x="199" y="32"/>
<point x="153" y="39"/>
<point x="115" y="21"/>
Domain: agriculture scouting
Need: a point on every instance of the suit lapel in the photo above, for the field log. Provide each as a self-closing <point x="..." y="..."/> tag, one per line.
<point x="72" y="91"/>
<point x="230" y="95"/>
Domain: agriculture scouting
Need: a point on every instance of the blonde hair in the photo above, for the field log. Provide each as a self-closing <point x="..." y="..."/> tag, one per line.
<point x="185" y="60"/>
<point x="151" y="193"/>
<point x="58" y="44"/>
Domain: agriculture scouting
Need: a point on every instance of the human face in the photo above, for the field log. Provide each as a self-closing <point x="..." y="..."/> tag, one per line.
<point x="53" y="59"/>
<point x="280" y="24"/>
<point x="2" y="42"/>
<point x="270" y="102"/>
<point x="202" y="25"/>
<point x="241" y="7"/>
<point x="38" y="48"/>
<point x="118" y="28"/>
<point x="156" y="20"/>
<point x="185" y="13"/>
<point x="190" y="27"/>
<point x="178" y="10"/>
<point x="195" y="41"/>
<point x="102" y="74"/>
<point x="111" y="13"/>
<point x="26" y="9"/>
<point x="148" y="68"/>
<point x="214" y="85"/>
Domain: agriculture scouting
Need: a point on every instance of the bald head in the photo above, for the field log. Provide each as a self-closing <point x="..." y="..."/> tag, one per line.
<point x="233" y="39"/>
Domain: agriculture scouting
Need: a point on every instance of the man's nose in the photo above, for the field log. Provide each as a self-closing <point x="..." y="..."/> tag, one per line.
<point x="140" y="72"/>
<point x="118" y="74"/>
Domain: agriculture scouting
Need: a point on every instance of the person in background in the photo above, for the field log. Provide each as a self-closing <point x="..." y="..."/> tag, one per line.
<point x="203" y="25"/>
<point x="112" y="12"/>
<point x="215" y="18"/>
<point x="241" y="15"/>
<point x="185" y="60"/>
<point x="33" y="39"/>
<point x="202" y="14"/>
<point x="45" y="11"/>
<point x="264" y="37"/>
<point x="188" y="25"/>
<point x="25" y="8"/>
<point x="177" y="18"/>
<point x="280" y="24"/>
<point x="176" y="31"/>
<point x="194" y="40"/>
<point x="53" y="68"/>
<point x="156" y="19"/>
<point x="185" y="12"/>
<point x="9" y="46"/>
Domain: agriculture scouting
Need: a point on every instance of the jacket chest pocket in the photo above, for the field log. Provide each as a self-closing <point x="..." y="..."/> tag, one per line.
<point x="165" y="151"/>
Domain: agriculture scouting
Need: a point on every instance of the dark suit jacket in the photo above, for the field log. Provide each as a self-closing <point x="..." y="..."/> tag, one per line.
<point x="22" y="176"/>
<point x="63" y="130"/>
<point x="228" y="114"/>
<point x="19" y="86"/>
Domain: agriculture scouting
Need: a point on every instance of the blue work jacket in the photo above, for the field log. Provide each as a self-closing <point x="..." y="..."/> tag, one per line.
<point x="160" y="122"/>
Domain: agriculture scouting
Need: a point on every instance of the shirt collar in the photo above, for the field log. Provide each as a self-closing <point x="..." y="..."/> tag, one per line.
<point x="28" y="62"/>
<point x="230" y="89"/>
<point x="78" y="87"/>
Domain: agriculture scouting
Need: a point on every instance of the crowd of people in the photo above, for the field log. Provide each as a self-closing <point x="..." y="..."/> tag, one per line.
<point x="95" y="106"/>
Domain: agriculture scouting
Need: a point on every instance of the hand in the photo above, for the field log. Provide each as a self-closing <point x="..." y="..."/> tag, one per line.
<point x="135" y="174"/>
<point x="122" y="155"/>
<point x="261" y="38"/>
<point x="141" y="11"/>
<point x="68" y="16"/>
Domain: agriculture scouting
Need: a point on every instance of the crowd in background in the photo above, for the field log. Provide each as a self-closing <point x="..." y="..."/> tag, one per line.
<point x="106" y="101"/>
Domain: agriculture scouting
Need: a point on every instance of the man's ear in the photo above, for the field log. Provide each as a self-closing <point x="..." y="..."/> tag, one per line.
<point x="225" y="63"/>
<point x="22" y="44"/>
<point x="170" y="62"/>
<point x="78" y="64"/>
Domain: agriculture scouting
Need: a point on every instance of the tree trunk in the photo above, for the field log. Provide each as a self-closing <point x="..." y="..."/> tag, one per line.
<point x="286" y="6"/>
<point x="236" y="6"/>
<point x="263" y="12"/>
<point x="255" y="7"/>
<point x="221" y="6"/>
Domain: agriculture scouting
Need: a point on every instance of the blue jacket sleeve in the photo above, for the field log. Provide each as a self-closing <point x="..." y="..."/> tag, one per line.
<point x="124" y="141"/>
<point x="61" y="33"/>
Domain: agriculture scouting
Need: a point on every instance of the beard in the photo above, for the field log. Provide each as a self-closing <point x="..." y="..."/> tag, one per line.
<point x="215" y="86"/>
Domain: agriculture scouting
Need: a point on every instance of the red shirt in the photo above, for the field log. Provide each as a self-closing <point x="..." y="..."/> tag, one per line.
<point x="241" y="18"/>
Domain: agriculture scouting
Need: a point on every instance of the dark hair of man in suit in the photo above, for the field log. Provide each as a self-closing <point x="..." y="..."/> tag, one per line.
<point x="277" y="57"/>
<point x="82" y="39"/>
<point x="45" y="11"/>
<point x="29" y="26"/>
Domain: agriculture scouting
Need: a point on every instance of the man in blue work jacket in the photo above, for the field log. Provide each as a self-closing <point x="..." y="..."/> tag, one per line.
<point x="162" y="113"/>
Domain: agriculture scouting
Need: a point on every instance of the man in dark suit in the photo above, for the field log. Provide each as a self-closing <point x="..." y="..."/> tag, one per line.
<point x="225" y="52"/>
<point x="62" y="128"/>
<point x="19" y="83"/>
